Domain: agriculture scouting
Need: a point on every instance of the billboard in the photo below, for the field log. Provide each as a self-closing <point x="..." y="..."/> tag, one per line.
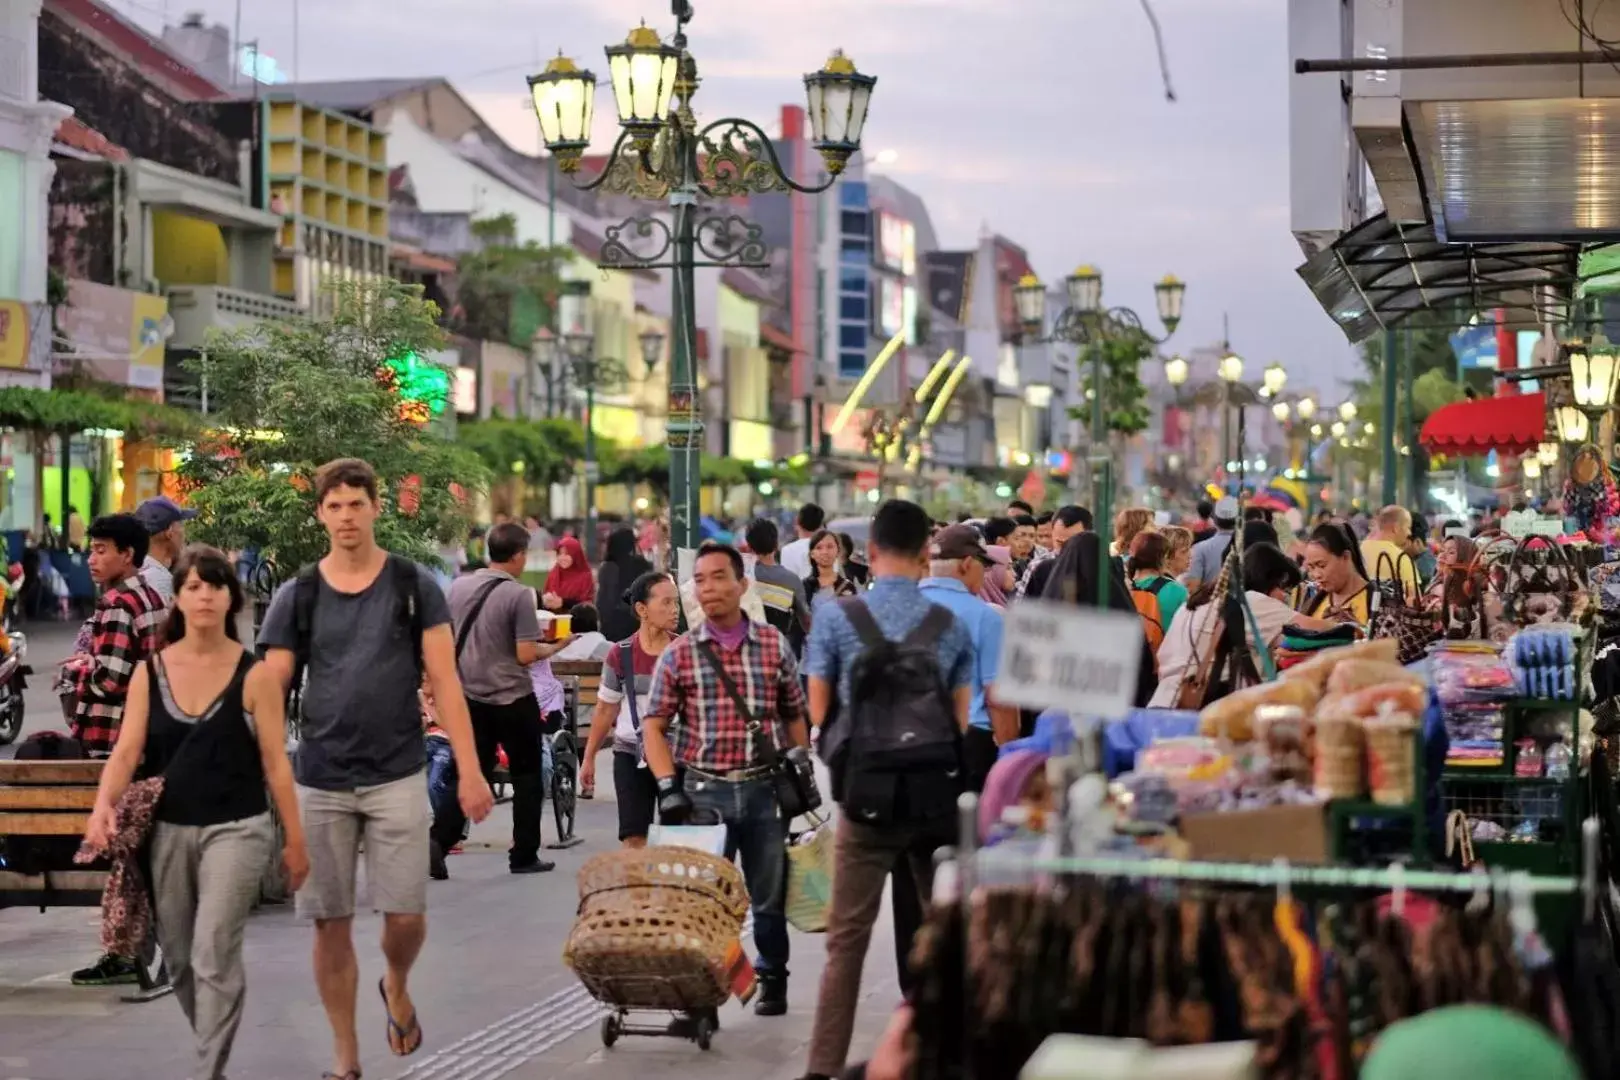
<point x="897" y="244"/>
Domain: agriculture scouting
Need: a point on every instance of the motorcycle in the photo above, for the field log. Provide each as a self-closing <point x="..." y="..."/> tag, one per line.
<point x="14" y="672"/>
<point x="14" y="669"/>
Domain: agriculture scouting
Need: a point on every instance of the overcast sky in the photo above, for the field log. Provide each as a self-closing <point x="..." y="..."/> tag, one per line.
<point x="1044" y="120"/>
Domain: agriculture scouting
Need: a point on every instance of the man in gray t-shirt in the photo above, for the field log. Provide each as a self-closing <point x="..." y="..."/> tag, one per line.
<point x="781" y="591"/>
<point x="359" y="764"/>
<point x="497" y="638"/>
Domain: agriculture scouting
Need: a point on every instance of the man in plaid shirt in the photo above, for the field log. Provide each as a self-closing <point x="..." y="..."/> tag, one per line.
<point x="123" y="631"/>
<point x="696" y="725"/>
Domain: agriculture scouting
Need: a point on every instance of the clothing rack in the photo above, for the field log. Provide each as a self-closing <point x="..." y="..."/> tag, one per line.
<point x="970" y="858"/>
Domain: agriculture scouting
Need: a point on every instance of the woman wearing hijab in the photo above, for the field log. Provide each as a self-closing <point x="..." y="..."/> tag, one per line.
<point x="1074" y="581"/>
<point x="1457" y="591"/>
<point x="570" y="581"/>
<point x="619" y="569"/>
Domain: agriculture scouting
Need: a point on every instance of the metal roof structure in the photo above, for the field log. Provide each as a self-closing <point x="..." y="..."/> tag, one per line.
<point x="1382" y="272"/>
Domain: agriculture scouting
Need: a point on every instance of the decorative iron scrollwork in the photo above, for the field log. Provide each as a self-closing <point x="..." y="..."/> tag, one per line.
<point x="738" y="160"/>
<point x="1088" y="328"/>
<point x="731" y="240"/>
<point x="636" y="242"/>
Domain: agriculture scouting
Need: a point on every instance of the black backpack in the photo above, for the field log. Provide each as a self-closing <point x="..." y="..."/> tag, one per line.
<point x="896" y="757"/>
<point x="42" y="854"/>
<point x="307" y="590"/>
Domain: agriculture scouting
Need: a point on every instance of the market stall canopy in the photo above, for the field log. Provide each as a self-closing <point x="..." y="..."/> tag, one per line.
<point x="1513" y="424"/>
<point x="1382" y="272"/>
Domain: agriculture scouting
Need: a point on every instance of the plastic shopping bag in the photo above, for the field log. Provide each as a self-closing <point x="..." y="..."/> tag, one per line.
<point x="810" y="879"/>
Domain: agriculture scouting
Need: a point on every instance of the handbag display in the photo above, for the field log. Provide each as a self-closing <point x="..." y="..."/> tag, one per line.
<point x="1395" y="616"/>
<point x="793" y="779"/>
<point x="1539" y="584"/>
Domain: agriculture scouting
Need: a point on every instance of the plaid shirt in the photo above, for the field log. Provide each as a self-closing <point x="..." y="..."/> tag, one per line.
<point x="707" y="729"/>
<point x="1040" y="555"/>
<point x="124" y="631"/>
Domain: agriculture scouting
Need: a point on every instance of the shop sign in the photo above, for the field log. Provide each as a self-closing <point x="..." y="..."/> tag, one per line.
<point x="118" y="333"/>
<point x="466" y="391"/>
<point x="16" y="333"/>
<point x="1079" y="659"/>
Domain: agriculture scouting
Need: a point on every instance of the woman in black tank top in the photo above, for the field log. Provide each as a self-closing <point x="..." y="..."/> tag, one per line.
<point x="209" y="720"/>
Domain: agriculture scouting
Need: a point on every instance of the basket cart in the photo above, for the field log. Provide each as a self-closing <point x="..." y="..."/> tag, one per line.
<point x="657" y="931"/>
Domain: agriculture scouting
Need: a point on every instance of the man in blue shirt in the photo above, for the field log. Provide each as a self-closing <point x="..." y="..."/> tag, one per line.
<point x="956" y="574"/>
<point x="866" y="852"/>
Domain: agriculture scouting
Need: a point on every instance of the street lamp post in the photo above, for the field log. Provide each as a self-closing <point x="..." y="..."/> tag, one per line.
<point x="1084" y="322"/>
<point x="662" y="155"/>
<point x="578" y="332"/>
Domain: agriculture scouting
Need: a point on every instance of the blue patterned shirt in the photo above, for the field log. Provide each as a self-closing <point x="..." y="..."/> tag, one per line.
<point x="897" y="605"/>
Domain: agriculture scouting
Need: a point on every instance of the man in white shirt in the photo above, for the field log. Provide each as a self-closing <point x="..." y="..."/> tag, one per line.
<point x="796" y="556"/>
<point x="165" y="522"/>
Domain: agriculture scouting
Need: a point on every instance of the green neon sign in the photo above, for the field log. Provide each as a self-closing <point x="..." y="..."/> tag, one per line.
<point x="423" y="381"/>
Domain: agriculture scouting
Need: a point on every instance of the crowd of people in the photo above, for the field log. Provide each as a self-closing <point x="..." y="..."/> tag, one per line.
<point x="406" y="690"/>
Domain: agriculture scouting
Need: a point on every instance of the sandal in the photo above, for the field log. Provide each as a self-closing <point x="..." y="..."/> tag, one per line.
<point x="352" y="1074"/>
<point x="403" y="1032"/>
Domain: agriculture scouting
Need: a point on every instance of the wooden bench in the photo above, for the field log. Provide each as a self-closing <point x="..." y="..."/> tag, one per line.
<point x="49" y="799"/>
<point x="53" y="800"/>
<point x="581" y="680"/>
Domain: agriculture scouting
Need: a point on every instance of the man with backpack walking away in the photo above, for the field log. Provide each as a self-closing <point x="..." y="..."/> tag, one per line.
<point x="891" y="688"/>
<point x="363" y="625"/>
<point x="497" y="638"/>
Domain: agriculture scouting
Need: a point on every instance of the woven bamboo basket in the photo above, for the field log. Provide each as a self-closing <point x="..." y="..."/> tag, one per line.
<point x="654" y="927"/>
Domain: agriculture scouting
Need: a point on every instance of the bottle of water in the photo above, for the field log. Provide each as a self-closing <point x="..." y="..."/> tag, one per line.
<point x="1557" y="761"/>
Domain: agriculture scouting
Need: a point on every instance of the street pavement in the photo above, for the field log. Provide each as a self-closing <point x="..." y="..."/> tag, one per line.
<point x="494" y="997"/>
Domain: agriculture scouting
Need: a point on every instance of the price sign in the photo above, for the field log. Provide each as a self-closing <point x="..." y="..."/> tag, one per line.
<point x="1058" y="656"/>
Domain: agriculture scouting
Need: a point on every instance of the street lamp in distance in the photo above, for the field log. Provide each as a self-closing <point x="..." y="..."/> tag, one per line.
<point x="1230" y="369"/>
<point x="1272" y="380"/>
<point x="1281" y="410"/>
<point x="1347" y="411"/>
<point x="652" y="348"/>
<point x="1176" y="372"/>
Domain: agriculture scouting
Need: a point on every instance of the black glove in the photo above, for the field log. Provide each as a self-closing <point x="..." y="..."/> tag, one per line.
<point x="674" y="804"/>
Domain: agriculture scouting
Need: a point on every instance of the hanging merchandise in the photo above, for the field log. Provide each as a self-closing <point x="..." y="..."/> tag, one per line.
<point x="1396" y="615"/>
<point x="1589" y="493"/>
<point x="1540" y="585"/>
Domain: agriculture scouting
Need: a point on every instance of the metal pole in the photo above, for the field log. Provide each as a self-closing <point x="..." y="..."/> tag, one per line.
<point x="590" y="462"/>
<point x="1310" y="475"/>
<point x="1102" y="510"/>
<point x="1408" y="437"/>
<point x="1458" y="60"/>
<point x="1386" y="430"/>
<point x="685" y="424"/>
<point x="1242" y="450"/>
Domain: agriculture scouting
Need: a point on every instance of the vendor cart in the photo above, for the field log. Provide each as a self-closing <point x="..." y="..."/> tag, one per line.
<point x="658" y="931"/>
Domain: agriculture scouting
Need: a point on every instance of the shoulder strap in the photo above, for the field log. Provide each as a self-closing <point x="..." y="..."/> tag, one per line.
<point x="934" y="623"/>
<point x="627" y="676"/>
<point x="766" y="744"/>
<point x="406" y="582"/>
<point x="860" y="617"/>
<point x="472" y="615"/>
<point x="306" y="590"/>
<point x="1156" y="585"/>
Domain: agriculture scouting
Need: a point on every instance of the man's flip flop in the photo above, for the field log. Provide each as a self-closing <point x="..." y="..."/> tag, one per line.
<point x="403" y="1032"/>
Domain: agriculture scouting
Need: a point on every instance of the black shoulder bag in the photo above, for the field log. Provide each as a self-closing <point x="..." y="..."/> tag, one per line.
<point x="794" y="784"/>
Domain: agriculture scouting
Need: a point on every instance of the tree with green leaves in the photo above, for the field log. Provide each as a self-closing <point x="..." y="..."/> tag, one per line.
<point x="1124" y="397"/>
<point x="287" y="396"/>
<point x="505" y="290"/>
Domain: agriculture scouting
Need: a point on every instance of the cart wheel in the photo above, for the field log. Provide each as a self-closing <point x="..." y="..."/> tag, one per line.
<point x="610" y="1030"/>
<point x="705" y="1032"/>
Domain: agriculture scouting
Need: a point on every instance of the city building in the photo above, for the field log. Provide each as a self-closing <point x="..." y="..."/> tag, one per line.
<point x="28" y="125"/>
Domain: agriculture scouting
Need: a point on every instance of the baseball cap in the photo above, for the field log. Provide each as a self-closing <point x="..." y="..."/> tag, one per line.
<point x="1227" y="508"/>
<point x="159" y="513"/>
<point x="960" y="542"/>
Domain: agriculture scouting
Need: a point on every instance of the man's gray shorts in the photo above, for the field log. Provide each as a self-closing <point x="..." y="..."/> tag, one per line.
<point x="390" y="822"/>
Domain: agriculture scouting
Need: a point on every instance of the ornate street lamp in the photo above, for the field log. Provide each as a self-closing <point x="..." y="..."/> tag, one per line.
<point x="1547" y="454"/>
<point x="577" y="325"/>
<point x="1085" y="291"/>
<point x="663" y="155"/>
<point x="1272" y="380"/>
<point x="1169" y="292"/>
<point x="1572" y="423"/>
<point x="1367" y="428"/>
<point x="1530" y="467"/>
<point x="1592" y="374"/>
<point x="1338" y="429"/>
<point x="1089" y="325"/>
<point x="1347" y="411"/>
<point x="574" y="319"/>
<point x="564" y="101"/>
<point x="652" y="348"/>
<point x="1176" y="371"/>
<point x="1306" y="407"/>
<point x="1230" y="369"/>
<point x="643" y="74"/>
<point x="1281" y="410"/>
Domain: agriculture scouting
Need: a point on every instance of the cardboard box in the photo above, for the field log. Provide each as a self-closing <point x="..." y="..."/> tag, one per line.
<point x="1296" y="833"/>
